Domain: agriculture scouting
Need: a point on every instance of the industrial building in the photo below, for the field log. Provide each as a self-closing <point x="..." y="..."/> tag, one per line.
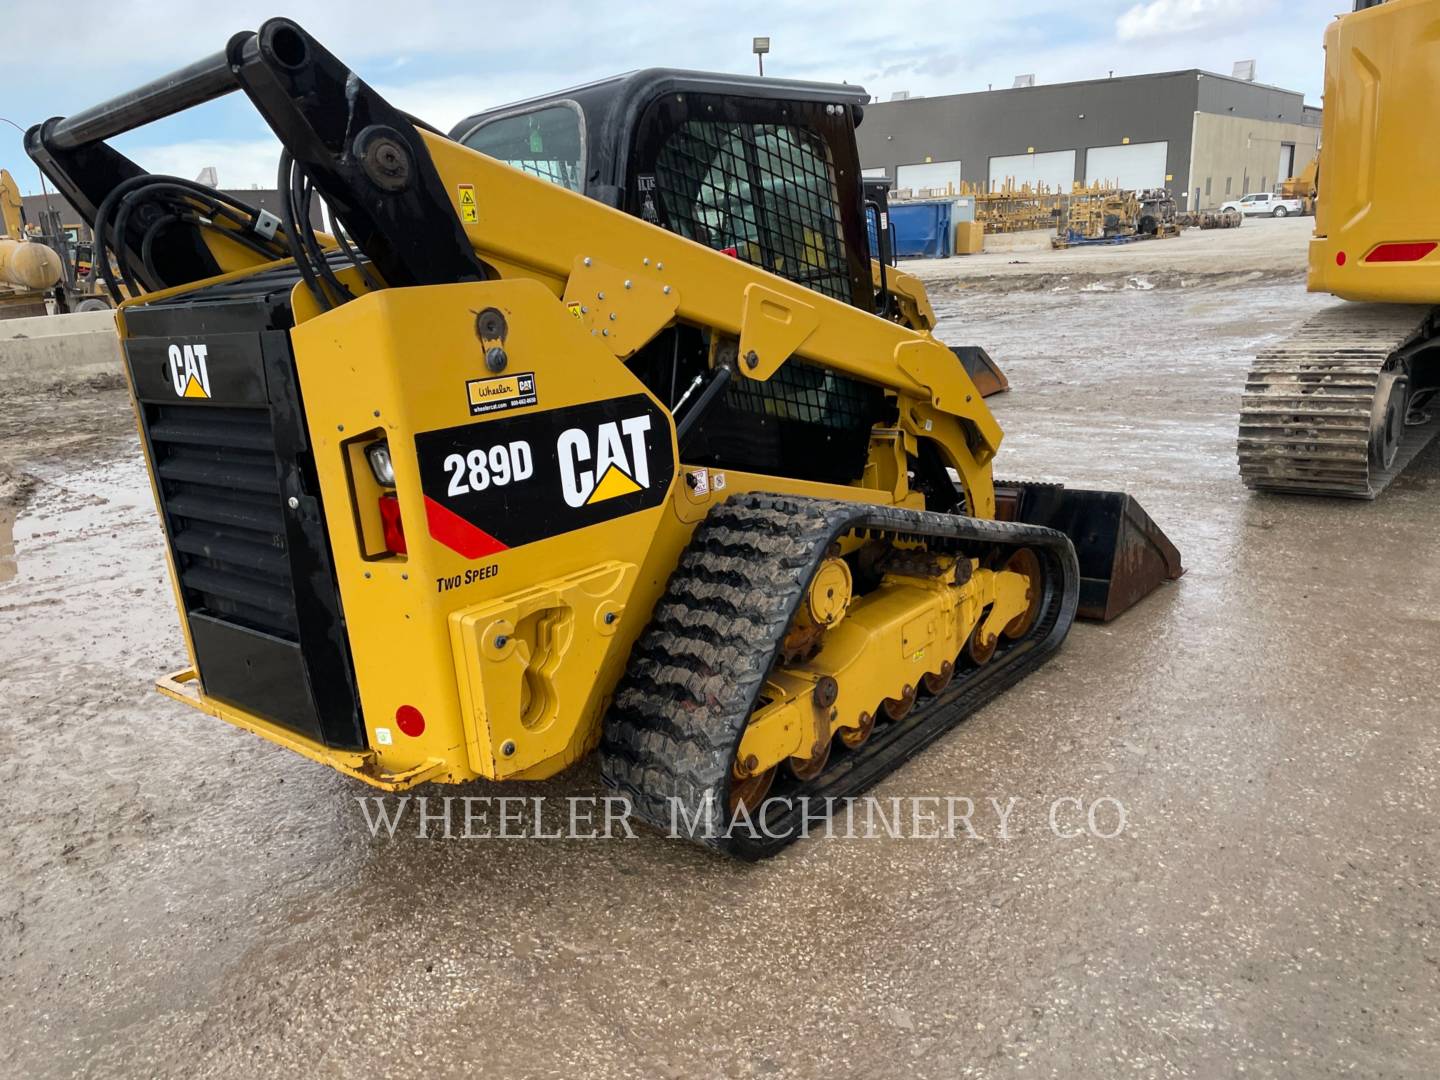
<point x="1204" y="136"/>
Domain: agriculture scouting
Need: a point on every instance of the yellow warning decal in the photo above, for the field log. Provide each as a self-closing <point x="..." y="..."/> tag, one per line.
<point x="574" y="308"/>
<point x="469" y="212"/>
<point x="613" y="484"/>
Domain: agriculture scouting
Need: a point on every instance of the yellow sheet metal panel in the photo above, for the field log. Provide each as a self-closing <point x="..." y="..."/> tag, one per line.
<point x="1378" y="164"/>
<point x="496" y="498"/>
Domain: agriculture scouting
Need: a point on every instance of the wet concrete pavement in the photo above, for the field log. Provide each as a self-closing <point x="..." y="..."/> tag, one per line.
<point x="182" y="899"/>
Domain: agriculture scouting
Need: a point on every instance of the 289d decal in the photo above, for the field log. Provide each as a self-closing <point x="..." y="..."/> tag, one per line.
<point x="499" y="484"/>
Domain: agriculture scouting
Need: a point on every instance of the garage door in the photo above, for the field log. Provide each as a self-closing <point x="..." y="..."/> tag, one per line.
<point x="931" y="174"/>
<point x="1137" y="166"/>
<point x="1055" y="170"/>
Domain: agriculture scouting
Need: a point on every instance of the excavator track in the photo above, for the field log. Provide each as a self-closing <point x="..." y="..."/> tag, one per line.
<point x="1308" y="418"/>
<point x="696" y="673"/>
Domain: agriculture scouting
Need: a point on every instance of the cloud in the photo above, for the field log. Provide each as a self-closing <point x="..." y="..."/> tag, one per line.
<point x="239" y="163"/>
<point x="427" y="63"/>
<point x="1163" y="18"/>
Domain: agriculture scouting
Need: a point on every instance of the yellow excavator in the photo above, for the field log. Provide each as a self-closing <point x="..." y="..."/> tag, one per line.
<point x="493" y="473"/>
<point x="1341" y="407"/>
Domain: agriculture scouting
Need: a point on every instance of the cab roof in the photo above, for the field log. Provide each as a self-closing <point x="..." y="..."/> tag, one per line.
<point x="619" y="98"/>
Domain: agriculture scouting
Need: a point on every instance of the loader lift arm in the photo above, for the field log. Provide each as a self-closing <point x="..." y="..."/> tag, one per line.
<point x="386" y="181"/>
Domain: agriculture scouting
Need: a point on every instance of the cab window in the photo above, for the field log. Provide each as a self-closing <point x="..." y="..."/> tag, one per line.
<point x="547" y="143"/>
<point x="765" y="193"/>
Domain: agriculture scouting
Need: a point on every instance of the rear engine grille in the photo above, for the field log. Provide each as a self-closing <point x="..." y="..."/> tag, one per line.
<point x="216" y="467"/>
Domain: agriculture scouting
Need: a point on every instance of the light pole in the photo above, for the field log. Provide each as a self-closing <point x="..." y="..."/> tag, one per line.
<point x="44" y="190"/>
<point x="761" y="46"/>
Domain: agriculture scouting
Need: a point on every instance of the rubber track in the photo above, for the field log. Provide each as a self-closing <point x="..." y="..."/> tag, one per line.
<point x="1305" y="413"/>
<point x="696" y="672"/>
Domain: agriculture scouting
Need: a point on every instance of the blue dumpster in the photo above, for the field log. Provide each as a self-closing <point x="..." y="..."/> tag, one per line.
<point x="923" y="230"/>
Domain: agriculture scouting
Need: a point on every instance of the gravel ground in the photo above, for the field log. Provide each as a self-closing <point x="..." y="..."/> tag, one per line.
<point x="181" y="899"/>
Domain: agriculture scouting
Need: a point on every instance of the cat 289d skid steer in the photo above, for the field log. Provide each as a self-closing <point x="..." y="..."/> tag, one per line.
<point x="494" y="473"/>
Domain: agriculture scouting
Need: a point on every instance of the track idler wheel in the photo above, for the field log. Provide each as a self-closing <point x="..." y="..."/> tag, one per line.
<point x="749" y="791"/>
<point x="1387" y="417"/>
<point x="1027" y="564"/>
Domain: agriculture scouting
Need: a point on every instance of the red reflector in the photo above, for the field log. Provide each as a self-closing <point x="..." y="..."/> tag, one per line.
<point x="1340" y="258"/>
<point x="390" y="522"/>
<point x="410" y="720"/>
<point x="1402" y="252"/>
<point x="734" y="253"/>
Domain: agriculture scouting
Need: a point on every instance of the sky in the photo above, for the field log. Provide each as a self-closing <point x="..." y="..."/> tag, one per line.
<point x="444" y="60"/>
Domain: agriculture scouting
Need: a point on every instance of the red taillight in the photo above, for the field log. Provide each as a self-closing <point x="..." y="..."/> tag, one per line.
<point x="390" y="522"/>
<point x="1413" y="252"/>
<point x="410" y="720"/>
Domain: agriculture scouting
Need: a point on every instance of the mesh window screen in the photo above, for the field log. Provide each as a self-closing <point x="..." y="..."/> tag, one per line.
<point x="767" y="191"/>
<point x="810" y="395"/>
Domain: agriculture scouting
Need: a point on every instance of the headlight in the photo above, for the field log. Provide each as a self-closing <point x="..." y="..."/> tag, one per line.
<point x="380" y="463"/>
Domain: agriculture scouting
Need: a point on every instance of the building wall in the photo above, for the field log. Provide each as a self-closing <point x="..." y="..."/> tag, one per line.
<point x="1233" y="97"/>
<point x="1235" y="155"/>
<point x="973" y="128"/>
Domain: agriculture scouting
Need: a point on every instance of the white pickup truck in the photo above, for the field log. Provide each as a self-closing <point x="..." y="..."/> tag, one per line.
<point x="1264" y="202"/>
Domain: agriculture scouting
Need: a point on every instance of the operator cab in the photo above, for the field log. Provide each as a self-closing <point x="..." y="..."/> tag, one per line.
<point x="765" y="170"/>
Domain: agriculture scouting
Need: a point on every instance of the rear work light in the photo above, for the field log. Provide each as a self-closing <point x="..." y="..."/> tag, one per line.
<point x="1395" y="253"/>
<point x="394" y="528"/>
<point x="378" y="455"/>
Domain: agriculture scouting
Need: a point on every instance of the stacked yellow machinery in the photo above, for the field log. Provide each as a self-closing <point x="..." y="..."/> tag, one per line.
<point x="1018" y="207"/>
<point x="1095" y="214"/>
<point x="1346" y="403"/>
<point x="497" y="473"/>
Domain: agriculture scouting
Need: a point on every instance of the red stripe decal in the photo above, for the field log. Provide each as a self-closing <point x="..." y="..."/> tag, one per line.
<point x="1401" y="252"/>
<point x="458" y="534"/>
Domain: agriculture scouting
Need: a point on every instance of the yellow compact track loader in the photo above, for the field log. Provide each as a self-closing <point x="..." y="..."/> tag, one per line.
<point x="1346" y="403"/>
<point x="494" y="473"/>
